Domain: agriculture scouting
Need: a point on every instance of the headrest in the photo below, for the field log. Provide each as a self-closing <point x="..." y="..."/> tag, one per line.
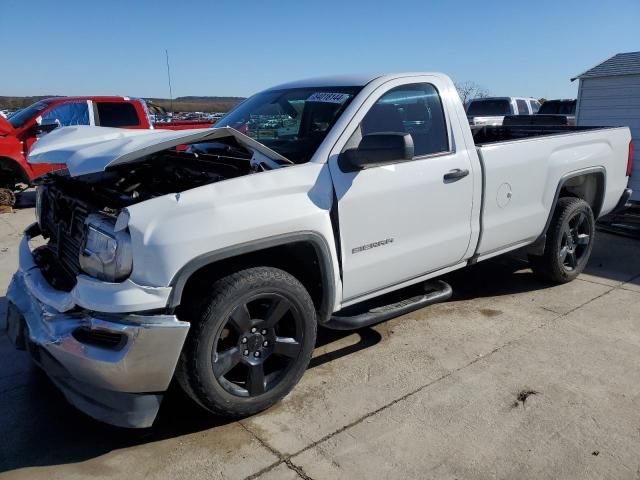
<point x="383" y="117"/>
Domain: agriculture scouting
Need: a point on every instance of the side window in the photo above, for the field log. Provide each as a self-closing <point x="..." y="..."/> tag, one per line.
<point x="415" y="109"/>
<point x="67" y="114"/>
<point x="535" y="106"/>
<point x="116" y="114"/>
<point x="522" y="107"/>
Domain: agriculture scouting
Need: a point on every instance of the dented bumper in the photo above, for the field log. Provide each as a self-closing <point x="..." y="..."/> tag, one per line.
<point x="114" y="367"/>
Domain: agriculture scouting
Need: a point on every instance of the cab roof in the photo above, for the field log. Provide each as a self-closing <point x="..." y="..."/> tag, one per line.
<point x="95" y="98"/>
<point x="356" y="80"/>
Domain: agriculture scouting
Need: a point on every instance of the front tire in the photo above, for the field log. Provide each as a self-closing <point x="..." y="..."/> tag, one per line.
<point x="569" y="242"/>
<point x="249" y="343"/>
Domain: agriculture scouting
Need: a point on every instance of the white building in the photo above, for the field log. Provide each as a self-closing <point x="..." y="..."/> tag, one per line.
<point x="609" y="94"/>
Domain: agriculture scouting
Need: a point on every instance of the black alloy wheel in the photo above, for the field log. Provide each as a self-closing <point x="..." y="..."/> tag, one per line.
<point x="569" y="242"/>
<point x="251" y="338"/>
<point x="574" y="241"/>
<point x="257" y="345"/>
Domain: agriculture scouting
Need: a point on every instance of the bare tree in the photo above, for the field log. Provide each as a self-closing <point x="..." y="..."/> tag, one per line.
<point x="469" y="90"/>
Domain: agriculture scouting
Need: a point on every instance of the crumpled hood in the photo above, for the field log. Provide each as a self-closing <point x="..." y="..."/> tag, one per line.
<point x="87" y="149"/>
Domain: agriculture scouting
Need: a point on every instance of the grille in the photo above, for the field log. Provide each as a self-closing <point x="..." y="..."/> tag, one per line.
<point x="62" y="221"/>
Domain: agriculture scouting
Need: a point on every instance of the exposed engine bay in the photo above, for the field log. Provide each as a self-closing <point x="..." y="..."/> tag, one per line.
<point x="169" y="171"/>
<point x="65" y="204"/>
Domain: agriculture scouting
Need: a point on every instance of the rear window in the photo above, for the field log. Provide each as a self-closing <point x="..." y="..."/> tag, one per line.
<point x="488" y="108"/>
<point x="535" y="105"/>
<point x="523" y="109"/>
<point x="116" y="114"/>
<point x="553" y="107"/>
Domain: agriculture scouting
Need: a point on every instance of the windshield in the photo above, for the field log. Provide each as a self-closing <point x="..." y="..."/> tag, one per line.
<point x="558" y="108"/>
<point x="487" y="108"/>
<point x="291" y="122"/>
<point x="21" y="117"/>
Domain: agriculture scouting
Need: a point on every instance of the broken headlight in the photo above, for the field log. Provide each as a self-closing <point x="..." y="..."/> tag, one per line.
<point x="105" y="253"/>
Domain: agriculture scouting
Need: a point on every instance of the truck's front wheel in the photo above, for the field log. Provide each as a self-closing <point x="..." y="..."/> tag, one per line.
<point x="569" y="242"/>
<point x="250" y="343"/>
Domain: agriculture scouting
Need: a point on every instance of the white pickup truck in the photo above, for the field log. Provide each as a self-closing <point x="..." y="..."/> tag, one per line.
<point x="215" y="264"/>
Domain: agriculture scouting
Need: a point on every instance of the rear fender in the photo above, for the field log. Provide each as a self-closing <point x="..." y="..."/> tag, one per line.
<point x="595" y="199"/>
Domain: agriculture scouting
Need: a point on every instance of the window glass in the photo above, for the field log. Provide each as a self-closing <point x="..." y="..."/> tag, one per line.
<point x="415" y="109"/>
<point x="117" y="114"/>
<point x="558" y="107"/>
<point x="489" y="107"/>
<point x="535" y="106"/>
<point x="522" y="107"/>
<point x="21" y="117"/>
<point x="67" y="114"/>
<point x="293" y="122"/>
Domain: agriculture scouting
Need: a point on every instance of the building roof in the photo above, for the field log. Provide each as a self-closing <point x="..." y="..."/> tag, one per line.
<point x="620" y="64"/>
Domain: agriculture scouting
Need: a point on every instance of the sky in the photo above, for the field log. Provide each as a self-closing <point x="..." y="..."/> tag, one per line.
<point x="236" y="48"/>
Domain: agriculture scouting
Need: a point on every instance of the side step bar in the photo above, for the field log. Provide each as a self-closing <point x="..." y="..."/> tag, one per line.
<point x="350" y="319"/>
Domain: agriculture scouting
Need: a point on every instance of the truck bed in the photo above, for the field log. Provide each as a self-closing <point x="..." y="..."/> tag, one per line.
<point x="488" y="134"/>
<point x="523" y="165"/>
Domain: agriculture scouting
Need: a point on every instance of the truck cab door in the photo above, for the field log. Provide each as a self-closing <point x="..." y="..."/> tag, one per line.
<point x="401" y="220"/>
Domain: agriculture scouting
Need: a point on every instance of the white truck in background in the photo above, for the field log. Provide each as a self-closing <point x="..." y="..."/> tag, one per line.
<point x="216" y="264"/>
<point x="492" y="110"/>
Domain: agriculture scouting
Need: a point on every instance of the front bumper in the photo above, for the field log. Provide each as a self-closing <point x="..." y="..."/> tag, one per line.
<point x="118" y="383"/>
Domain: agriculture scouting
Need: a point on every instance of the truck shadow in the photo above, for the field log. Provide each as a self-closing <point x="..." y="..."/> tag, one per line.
<point x="40" y="428"/>
<point x="45" y="430"/>
<point x="508" y="275"/>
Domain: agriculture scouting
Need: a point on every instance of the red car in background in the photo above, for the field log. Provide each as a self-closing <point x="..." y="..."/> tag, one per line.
<point x="20" y="131"/>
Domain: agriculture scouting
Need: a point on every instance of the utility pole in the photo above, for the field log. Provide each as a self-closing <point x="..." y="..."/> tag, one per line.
<point x="166" y="52"/>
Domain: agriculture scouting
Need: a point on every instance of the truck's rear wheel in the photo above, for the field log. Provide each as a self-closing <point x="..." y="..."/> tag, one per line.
<point x="250" y="343"/>
<point x="569" y="242"/>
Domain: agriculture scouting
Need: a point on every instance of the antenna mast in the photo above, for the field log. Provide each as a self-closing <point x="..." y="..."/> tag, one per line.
<point x="166" y="52"/>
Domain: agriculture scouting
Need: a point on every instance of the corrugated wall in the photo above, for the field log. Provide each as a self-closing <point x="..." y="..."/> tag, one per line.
<point x="613" y="101"/>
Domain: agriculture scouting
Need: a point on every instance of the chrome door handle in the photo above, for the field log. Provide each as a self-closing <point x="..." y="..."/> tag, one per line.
<point x="455" y="174"/>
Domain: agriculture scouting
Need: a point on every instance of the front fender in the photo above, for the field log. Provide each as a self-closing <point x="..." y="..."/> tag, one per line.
<point x="173" y="235"/>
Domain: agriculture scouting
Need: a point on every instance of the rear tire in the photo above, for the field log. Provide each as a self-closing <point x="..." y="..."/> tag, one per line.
<point x="569" y="242"/>
<point x="249" y="343"/>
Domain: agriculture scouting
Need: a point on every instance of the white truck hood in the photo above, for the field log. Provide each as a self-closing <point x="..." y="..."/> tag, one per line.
<point x="87" y="149"/>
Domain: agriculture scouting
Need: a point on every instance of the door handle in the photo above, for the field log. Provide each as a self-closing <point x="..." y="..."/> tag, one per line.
<point x="455" y="174"/>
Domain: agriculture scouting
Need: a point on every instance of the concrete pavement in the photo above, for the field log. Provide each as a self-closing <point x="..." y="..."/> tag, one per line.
<point x="511" y="378"/>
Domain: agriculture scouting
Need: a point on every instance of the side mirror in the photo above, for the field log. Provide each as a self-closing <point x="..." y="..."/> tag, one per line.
<point x="378" y="149"/>
<point x="46" y="126"/>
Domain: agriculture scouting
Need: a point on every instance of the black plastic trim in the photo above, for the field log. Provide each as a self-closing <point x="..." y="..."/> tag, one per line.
<point x="624" y="202"/>
<point x="340" y="321"/>
<point x="563" y="180"/>
<point x="318" y="241"/>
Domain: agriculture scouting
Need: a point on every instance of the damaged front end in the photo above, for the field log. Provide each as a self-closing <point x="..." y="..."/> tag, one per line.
<point x="84" y="218"/>
<point x="113" y="368"/>
<point x="104" y="340"/>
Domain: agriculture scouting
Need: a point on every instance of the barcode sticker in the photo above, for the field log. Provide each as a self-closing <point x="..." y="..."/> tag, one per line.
<point x="328" y="97"/>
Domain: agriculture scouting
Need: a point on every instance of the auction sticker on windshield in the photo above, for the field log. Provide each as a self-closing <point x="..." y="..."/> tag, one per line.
<point x="328" y="97"/>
